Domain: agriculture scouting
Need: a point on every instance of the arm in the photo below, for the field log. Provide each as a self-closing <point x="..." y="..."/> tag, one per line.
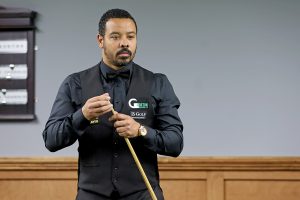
<point x="166" y="137"/>
<point x="66" y="122"/>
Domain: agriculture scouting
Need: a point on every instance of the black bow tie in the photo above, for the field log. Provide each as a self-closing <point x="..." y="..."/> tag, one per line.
<point x="123" y="74"/>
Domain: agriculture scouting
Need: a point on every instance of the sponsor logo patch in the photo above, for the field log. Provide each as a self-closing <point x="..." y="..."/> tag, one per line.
<point x="95" y="121"/>
<point x="134" y="104"/>
<point x="138" y="114"/>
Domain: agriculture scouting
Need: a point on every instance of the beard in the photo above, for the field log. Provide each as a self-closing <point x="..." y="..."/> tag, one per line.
<point x="121" y="61"/>
<point x="118" y="60"/>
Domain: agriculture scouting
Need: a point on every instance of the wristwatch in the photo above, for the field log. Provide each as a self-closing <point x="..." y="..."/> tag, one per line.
<point x="142" y="131"/>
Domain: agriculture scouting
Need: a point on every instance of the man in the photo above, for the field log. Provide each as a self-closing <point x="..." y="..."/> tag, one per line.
<point x="145" y="108"/>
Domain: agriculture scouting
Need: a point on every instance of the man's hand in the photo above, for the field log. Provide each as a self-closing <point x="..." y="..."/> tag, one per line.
<point x="97" y="106"/>
<point x="125" y="125"/>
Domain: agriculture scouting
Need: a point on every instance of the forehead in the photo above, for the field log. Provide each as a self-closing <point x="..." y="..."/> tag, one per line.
<point x="120" y="25"/>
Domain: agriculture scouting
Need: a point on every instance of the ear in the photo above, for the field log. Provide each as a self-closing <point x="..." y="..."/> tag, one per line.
<point x="100" y="40"/>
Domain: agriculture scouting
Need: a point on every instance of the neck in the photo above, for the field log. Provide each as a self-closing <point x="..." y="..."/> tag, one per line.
<point x="110" y="65"/>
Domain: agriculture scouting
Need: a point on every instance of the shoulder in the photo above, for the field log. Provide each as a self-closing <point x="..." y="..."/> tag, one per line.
<point x="140" y="69"/>
<point x="73" y="80"/>
<point x="156" y="76"/>
<point x="159" y="79"/>
<point x="92" y="69"/>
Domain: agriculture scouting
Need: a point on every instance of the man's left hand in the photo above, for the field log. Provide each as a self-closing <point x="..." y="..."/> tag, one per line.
<point x="125" y="125"/>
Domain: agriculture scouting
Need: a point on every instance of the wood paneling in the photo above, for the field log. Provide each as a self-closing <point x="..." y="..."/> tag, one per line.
<point x="183" y="178"/>
<point x="37" y="189"/>
<point x="262" y="190"/>
<point x="182" y="189"/>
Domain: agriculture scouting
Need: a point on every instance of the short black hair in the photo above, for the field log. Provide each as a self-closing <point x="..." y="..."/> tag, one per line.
<point x="113" y="13"/>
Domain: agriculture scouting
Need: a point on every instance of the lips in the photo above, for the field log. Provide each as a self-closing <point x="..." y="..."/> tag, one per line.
<point x="124" y="53"/>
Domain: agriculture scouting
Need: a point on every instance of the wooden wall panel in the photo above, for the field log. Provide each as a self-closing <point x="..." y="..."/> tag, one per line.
<point x="258" y="185"/>
<point x="184" y="189"/>
<point x="184" y="178"/>
<point x="37" y="189"/>
<point x="262" y="190"/>
<point x="25" y="184"/>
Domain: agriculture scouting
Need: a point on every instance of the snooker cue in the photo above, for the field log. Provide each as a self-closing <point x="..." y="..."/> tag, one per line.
<point x="137" y="162"/>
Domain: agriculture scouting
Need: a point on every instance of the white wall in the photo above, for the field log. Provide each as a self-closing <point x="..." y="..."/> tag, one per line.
<point x="234" y="64"/>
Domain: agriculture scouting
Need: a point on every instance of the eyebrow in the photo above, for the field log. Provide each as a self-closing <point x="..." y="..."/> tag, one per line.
<point x="112" y="33"/>
<point x="131" y="32"/>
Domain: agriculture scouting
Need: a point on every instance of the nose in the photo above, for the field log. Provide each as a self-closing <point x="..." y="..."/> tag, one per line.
<point x="124" y="43"/>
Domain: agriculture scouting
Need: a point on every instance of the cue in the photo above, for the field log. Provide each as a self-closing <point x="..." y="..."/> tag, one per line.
<point x="137" y="162"/>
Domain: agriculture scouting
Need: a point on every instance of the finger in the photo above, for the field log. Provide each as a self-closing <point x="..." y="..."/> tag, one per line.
<point x="99" y="104"/>
<point x="103" y="109"/>
<point x="104" y="97"/>
<point x="113" y="117"/>
<point x="106" y="111"/>
<point x="123" y="131"/>
<point x="122" y="123"/>
<point x="120" y="116"/>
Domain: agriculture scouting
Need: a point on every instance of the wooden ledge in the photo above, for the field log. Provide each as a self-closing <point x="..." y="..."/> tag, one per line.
<point x="230" y="163"/>
<point x="165" y="163"/>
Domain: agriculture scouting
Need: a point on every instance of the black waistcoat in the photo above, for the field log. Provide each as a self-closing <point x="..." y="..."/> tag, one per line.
<point x="105" y="162"/>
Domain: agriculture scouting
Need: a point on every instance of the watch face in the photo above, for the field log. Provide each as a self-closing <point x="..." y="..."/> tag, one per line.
<point x="143" y="131"/>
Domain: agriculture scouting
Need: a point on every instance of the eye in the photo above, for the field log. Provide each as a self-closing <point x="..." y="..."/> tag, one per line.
<point x="131" y="36"/>
<point x="114" y="37"/>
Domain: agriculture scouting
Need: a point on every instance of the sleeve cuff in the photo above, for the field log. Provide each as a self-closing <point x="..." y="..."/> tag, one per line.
<point x="149" y="139"/>
<point x="80" y="123"/>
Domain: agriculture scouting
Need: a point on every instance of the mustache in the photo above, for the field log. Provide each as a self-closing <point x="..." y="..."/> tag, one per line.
<point x="124" y="51"/>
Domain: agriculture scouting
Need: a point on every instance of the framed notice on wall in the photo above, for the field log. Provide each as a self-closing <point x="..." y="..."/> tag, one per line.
<point x="17" y="56"/>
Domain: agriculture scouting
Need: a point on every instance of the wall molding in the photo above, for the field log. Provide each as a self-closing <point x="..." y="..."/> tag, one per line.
<point x="165" y="163"/>
<point x="204" y="178"/>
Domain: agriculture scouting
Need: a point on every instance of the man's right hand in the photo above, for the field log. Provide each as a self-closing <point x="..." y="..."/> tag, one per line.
<point x="97" y="106"/>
